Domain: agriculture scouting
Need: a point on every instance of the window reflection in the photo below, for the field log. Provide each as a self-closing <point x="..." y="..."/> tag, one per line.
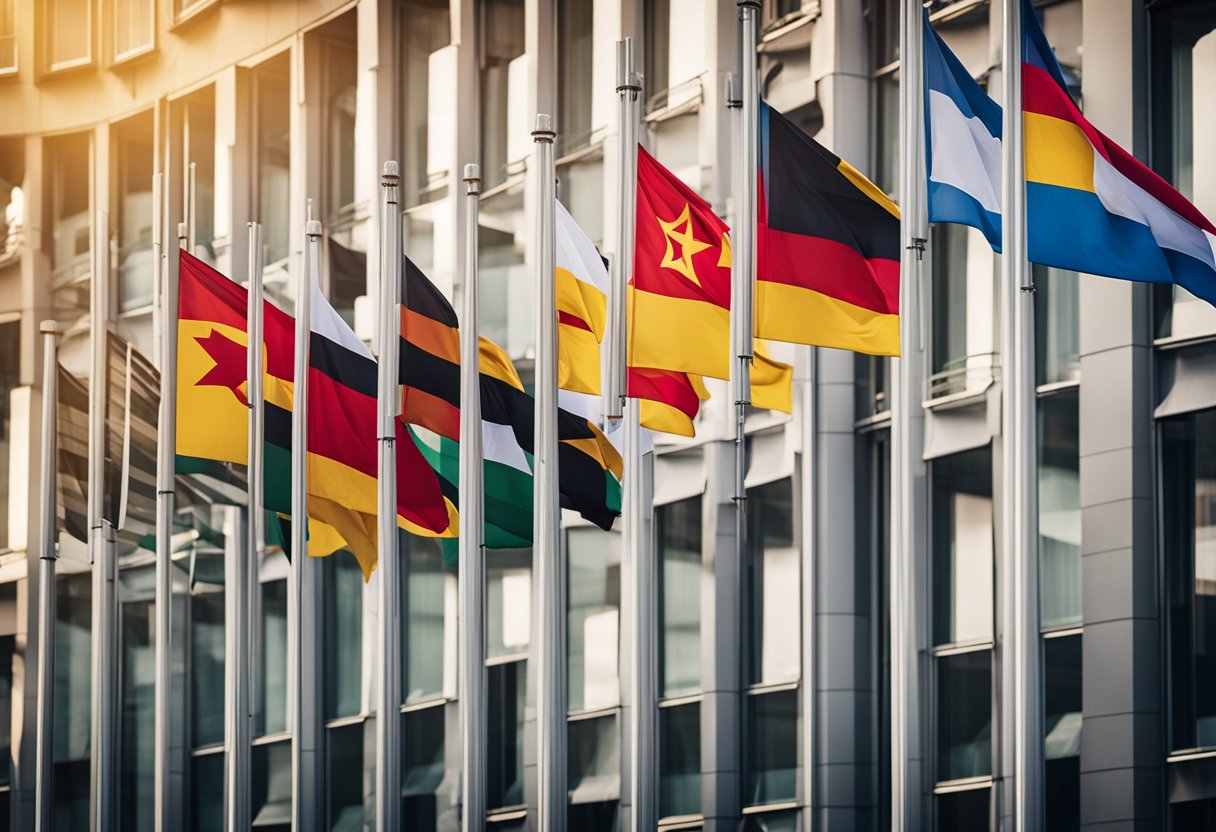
<point x="273" y="687"/>
<point x="272" y="786"/>
<point x="429" y="90"/>
<point x="508" y="602"/>
<point x="207" y="792"/>
<point x="198" y="148"/>
<point x="425" y="591"/>
<point x="69" y="33"/>
<point x="772" y="747"/>
<point x="7" y="645"/>
<point x="964" y="310"/>
<point x="342" y="590"/>
<point x="680" y="760"/>
<point x="68" y="174"/>
<point x="1059" y="510"/>
<point x="1062" y="731"/>
<point x="593" y="630"/>
<point x="344" y="776"/>
<point x="575" y="52"/>
<point x="272" y="109"/>
<point x="505" y="695"/>
<point x="207" y="667"/>
<point x="503" y="79"/>
<point x="10" y="378"/>
<point x="962" y="534"/>
<point x="1057" y="329"/>
<point x="678" y="528"/>
<point x="594" y="764"/>
<point x="964" y="715"/>
<point x="657" y="52"/>
<point x="131" y="223"/>
<point x="422" y="768"/>
<point x="136" y="797"/>
<point x="775" y="613"/>
<point x="962" y="810"/>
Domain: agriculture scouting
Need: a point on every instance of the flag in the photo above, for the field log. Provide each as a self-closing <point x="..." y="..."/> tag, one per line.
<point x="962" y="143"/>
<point x="678" y="307"/>
<point x="132" y="415"/>
<point x="1090" y="205"/>
<point x="212" y="415"/>
<point x="582" y="306"/>
<point x="827" y="247"/>
<point x="772" y="381"/>
<point x="72" y="466"/>
<point x="668" y="400"/>
<point x="589" y="467"/>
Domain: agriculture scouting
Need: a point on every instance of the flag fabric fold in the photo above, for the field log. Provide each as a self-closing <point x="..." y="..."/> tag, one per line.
<point x="828" y="247"/>
<point x="582" y="306"/>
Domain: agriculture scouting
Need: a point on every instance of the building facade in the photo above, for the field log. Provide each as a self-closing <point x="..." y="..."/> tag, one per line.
<point x="774" y="690"/>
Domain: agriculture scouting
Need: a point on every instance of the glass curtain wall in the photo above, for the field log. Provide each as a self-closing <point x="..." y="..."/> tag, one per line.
<point x="271" y="790"/>
<point x="68" y="173"/>
<point x="198" y="149"/>
<point x="73" y="686"/>
<point x="205" y="724"/>
<point x="964" y="310"/>
<point x="131" y="214"/>
<point x="137" y="681"/>
<point x="508" y="635"/>
<point x="575" y="54"/>
<point x="272" y="155"/>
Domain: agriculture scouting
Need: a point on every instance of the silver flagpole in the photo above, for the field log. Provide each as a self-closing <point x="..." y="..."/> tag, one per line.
<point x="546" y="547"/>
<point x="166" y="455"/>
<point x="104" y="764"/>
<point x="628" y="88"/>
<point x="48" y="526"/>
<point x="1021" y="688"/>
<point x="388" y="567"/>
<point x="303" y="704"/>
<point x="472" y="532"/>
<point x="239" y="568"/>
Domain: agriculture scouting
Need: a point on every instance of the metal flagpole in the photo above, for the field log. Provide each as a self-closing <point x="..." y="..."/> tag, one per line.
<point x="472" y="531"/>
<point x="629" y="89"/>
<point x="546" y="546"/>
<point x="241" y="571"/>
<point x="388" y="568"/>
<point x="104" y="765"/>
<point x="303" y="752"/>
<point x="166" y="455"/>
<point x="1022" y="691"/>
<point x="43" y="782"/>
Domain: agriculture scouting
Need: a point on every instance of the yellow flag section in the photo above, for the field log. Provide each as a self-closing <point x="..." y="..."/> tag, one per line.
<point x="772" y="381"/>
<point x="582" y="306"/>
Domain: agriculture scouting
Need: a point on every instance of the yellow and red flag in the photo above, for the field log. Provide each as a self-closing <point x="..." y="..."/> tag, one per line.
<point x="582" y="306"/>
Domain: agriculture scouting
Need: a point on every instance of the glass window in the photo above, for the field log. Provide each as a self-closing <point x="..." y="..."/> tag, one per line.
<point x="775" y="607"/>
<point x="962" y="536"/>
<point x="1183" y="53"/>
<point x="505" y="689"/>
<point x="73" y="668"/>
<point x="594" y="764"/>
<point x="963" y="810"/>
<point x="272" y="787"/>
<point x="10" y="378"/>
<point x="873" y="385"/>
<point x="885" y="20"/>
<point x="772" y="747"/>
<point x="425" y="595"/>
<point x="963" y="332"/>
<point x="12" y="194"/>
<point x="964" y="715"/>
<point x="207" y="792"/>
<point x="679" y="535"/>
<point x="508" y="602"/>
<point x="1188" y="522"/>
<point x="593" y="817"/>
<point x="426" y="29"/>
<point x="1059" y="510"/>
<point x="68" y="173"/>
<point x="272" y="112"/>
<point x="575" y="51"/>
<point x="69" y="33"/>
<point x="134" y="27"/>
<point x="206" y="668"/>
<point x="505" y="304"/>
<point x="344" y="776"/>
<point x="680" y="760"/>
<point x="273" y="687"/>
<point x="1062" y="731"/>
<point x="657" y="45"/>
<point x="341" y="99"/>
<point x="7" y="644"/>
<point x="593" y="630"/>
<point x="8" y="37"/>
<point x="198" y="147"/>
<point x="132" y="218"/>
<point x="886" y="129"/>
<point x="343" y="598"/>
<point x="1057" y="329"/>
<point x="138" y="720"/>
<point x="422" y="768"/>
<point x="503" y="71"/>
<point x="1193" y="814"/>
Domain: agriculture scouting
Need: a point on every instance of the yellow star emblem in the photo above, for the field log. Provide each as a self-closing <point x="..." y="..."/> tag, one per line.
<point x="679" y="232"/>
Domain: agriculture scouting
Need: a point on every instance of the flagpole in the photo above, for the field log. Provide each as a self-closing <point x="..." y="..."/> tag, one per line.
<point x="241" y="570"/>
<point x="628" y="88"/>
<point x="45" y="702"/>
<point x="166" y="456"/>
<point x="303" y="750"/>
<point x="388" y="567"/>
<point x="546" y="547"/>
<point x="471" y="564"/>
<point x="1021" y="688"/>
<point x="103" y="765"/>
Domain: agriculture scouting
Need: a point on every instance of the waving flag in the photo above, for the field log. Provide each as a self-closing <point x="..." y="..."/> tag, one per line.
<point x="962" y="143"/>
<point x="582" y="306"/>
<point x="828" y="247"/>
<point x="1090" y="205"/>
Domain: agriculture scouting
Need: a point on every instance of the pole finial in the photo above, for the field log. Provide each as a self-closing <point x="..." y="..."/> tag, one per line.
<point x="544" y="129"/>
<point x="312" y="228"/>
<point x="390" y="178"/>
<point x="181" y="231"/>
<point x="48" y="327"/>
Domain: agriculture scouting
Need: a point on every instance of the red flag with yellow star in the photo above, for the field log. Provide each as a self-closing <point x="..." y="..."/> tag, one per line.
<point x="679" y="295"/>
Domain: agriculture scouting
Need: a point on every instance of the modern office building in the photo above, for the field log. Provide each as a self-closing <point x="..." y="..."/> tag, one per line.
<point x="775" y="674"/>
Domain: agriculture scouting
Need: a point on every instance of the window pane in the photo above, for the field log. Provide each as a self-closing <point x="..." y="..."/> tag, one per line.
<point x="8" y="36"/>
<point x="341" y="97"/>
<point x="198" y="139"/>
<point x="505" y="751"/>
<point x="506" y="308"/>
<point x="679" y="535"/>
<point x="1194" y="814"/>
<point x="10" y="379"/>
<point x="68" y="172"/>
<point x="70" y="31"/>
<point x="575" y="51"/>
<point x="274" y="658"/>
<point x="594" y="762"/>
<point x="272" y="100"/>
<point x="503" y="71"/>
<point x="72" y="796"/>
<point x="422" y="769"/>
<point x="426" y="29"/>
<point x="962" y="547"/>
<point x="680" y="760"/>
<point x="1188" y="465"/>
<point x="132" y="25"/>
<point x="656" y="60"/>
<point x="1062" y="731"/>
<point x="772" y="747"/>
<point x="964" y="309"/>
<point x="73" y="682"/>
<point x="207" y="793"/>
<point x="775" y="614"/>
<point x="132" y="220"/>
<point x="771" y="822"/>
<point x="425" y="595"/>
<point x="593" y="630"/>
<point x="1059" y="510"/>
<point x="343" y="593"/>
<point x="963" y="810"/>
<point x="7" y="644"/>
<point x="594" y="817"/>
<point x="138" y="725"/>
<point x="887" y="129"/>
<point x="272" y="786"/>
<point x="964" y="715"/>
<point x="1057" y="328"/>
<point x="345" y="777"/>
<point x="508" y="602"/>
<point x="206" y="668"/>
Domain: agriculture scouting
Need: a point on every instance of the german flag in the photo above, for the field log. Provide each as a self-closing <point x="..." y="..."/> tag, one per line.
<point x="212" y="415"/>
<point x="828" y="247"/>
<point x="589" y="467"/>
